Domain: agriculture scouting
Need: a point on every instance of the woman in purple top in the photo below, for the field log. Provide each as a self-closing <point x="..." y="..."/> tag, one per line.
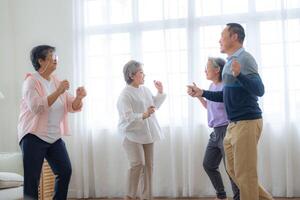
<point x="217" y="119"/>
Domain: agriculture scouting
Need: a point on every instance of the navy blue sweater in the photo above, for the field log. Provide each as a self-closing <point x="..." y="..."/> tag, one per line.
<point x="240" y="94"/>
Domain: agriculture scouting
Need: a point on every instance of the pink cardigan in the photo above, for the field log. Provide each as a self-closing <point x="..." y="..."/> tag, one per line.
<point x="34" y="108"/>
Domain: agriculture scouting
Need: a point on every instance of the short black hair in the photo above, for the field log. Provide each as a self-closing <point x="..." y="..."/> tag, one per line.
<point x="238" y="29"/>
<point x="39" y="52"/>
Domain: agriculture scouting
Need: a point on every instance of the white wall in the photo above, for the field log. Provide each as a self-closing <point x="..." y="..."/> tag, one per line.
<point x="8" y="106"/>
<point x="24" y="24"/>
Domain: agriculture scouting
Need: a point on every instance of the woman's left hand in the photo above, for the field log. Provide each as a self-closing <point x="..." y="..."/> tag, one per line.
<point x="158" y="86"/>
<point x="80" y="92"/>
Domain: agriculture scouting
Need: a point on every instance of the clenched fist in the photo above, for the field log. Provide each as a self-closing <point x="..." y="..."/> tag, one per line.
<point x="80" y="92"/>
<point x="158" y="86"/>
<point x="149" y="112"/>
<point x="63" y="86"/>
<point x="235" y="68"/>
<point x="194" y="90"/>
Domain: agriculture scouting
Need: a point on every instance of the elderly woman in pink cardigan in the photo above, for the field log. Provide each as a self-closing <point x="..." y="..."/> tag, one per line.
<point x="42" y="122"/>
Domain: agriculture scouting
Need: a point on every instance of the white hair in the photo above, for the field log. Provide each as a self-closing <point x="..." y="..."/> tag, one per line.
<point x="129" y="69"/>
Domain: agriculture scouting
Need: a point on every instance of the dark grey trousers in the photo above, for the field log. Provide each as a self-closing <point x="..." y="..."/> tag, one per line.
<point x="213" y="156"/>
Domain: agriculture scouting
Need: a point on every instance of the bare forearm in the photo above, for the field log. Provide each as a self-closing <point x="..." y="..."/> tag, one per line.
<point x="53" y="97"/>
<point x="203" y="101"/>
<point x="77" y="103"/>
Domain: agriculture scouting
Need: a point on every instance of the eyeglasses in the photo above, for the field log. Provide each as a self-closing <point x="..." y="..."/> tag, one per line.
<point x="55" y="57"/>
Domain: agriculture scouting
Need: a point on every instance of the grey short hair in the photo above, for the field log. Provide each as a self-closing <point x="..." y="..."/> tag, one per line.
<point x="129" y="69"/>
<point x="218" y="63"/>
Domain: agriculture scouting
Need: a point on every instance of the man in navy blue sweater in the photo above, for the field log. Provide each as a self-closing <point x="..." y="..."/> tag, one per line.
<point x="242" y="87"/>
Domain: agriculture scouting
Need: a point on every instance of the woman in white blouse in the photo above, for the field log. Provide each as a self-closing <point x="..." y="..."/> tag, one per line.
<point x="136" y="106"/>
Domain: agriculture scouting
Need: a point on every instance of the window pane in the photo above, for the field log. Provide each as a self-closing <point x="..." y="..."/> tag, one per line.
<point x="210" y="52"/>
<point x="120" y="43"/>
<point x="150" y="10"/>
<point x="121" y="11"/>
<point x="118" y="63"/>
<point x="207" y="8"/>
<point x="217" y="7"/>
<point x="165" y="57"/>
<point x="106" y="57"/>
<point x="100" y="12"/>
<point x="293" y="77"/>
<point x="270" y="32"/>
<point x="210" y="36"/>
<point x="96" y="67"/>
<point x="96" y="45"/>
<point x="292" y="4"/>
<point x="269" y="52"/>
<point x="293" y="54"/>
<point x="273" y="79"/>
<point x="175" y="39"/>
<point x="96" y="12"/>
<point x="233" y="6"/>
<point x="271" y="44"/>
<point x="164" y="42"/>
<point x="265" y="5"/>
<point x="175" y="9"/>
<point x="153" y="41"/>
<point x="293" y="30"/>
<point x="154" y="63"/>
<point x="177" y="61"/>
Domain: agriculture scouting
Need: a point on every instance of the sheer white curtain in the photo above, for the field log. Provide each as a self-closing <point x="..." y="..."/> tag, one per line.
<point x="173" y="38"/>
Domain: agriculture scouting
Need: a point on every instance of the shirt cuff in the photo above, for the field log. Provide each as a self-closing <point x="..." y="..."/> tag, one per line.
<point x="139" y="116"/>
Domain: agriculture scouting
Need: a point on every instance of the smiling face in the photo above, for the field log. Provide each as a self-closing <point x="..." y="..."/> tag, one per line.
<point x="49" y="64"/>
<point x="212" y="73"/>
<point x="226" y="41"/>
<point x="138" y="77"/>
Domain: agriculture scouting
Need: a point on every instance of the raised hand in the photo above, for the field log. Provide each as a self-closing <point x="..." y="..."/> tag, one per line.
<point x="63" y="86"/>
<point x="80" y="92"/>
<point x="235" y="68"/>
<point x="194" y="90"/>
<point x="158" y="86"/>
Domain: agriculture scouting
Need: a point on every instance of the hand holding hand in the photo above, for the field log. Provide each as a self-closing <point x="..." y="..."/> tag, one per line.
<point x="194" y="91"/>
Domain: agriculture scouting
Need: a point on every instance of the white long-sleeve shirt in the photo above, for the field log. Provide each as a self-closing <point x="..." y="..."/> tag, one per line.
<point x="132" y="103"/>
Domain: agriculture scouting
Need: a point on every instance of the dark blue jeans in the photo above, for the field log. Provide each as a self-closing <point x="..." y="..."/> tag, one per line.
<point x="213" y="156"/>
<point x="34" y="151"/>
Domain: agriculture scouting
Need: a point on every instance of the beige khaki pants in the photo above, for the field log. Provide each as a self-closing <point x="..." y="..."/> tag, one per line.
<point x="240" y="146"/>
<point x="140" y="158"/>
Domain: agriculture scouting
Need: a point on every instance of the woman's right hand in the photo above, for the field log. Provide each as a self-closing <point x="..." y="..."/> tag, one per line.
<point x="63" y="86"/>
<point x="149" y="112"/>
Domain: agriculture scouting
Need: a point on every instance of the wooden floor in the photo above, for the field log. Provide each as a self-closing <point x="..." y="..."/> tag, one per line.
<point x="278" y="198"/>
